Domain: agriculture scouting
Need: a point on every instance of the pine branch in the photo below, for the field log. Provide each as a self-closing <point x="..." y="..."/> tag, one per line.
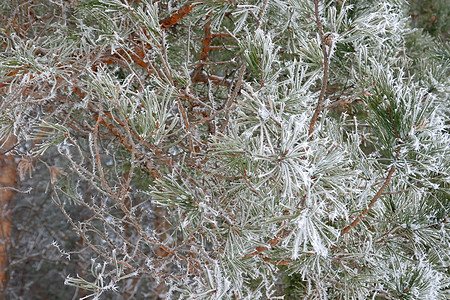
<point x="374" y="199"/>
<point x="372" y="203"/>
<point x="326" y="45"/>
<point x="177" y="16"/>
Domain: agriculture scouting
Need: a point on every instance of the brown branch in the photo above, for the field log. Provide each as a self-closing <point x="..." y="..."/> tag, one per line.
<point x="199" y="75"/>
<point x="176" y="17"/>
<point x="326" y="61"/>
<point x="202" y="76"/>
<point x="185" y="118"/>
<point x="374" y="199"/>
<point x="372" y="203"/>
<point x="206" y="43"/>
<point x="230" y="100"/>
<point x="282" y="233"/>
<point x="128" y="144"/>
<point x="7" y="182"/>
<point x="198" y="72"/>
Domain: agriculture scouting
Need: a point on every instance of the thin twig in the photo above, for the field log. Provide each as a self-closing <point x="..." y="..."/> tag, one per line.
<point x="233" y="96"/>
<point x="261" y="13"/>
<point x="186" y="123"/>
<point x="351" y="99"/>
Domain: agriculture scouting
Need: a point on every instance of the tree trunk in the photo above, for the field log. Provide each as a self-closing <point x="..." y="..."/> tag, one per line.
<point x="7" y="180"/>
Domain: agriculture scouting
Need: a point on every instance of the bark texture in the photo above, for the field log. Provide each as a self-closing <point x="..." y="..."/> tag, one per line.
<point x="7" y="181"/>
